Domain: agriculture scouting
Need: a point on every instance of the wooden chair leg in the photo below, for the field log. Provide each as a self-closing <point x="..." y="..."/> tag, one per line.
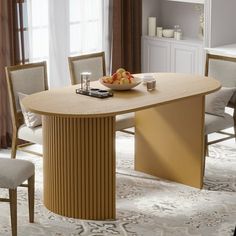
<point x="14" y="145"/>
<point x="31" y="198"/>
<point x="235" y="133"/>
<point x="13" y="209"/>
<point x="206" y="151"/>
<point x="127" y="131"/>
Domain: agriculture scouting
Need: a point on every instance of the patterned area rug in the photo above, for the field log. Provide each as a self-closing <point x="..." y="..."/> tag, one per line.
<point x="145" y="205"/>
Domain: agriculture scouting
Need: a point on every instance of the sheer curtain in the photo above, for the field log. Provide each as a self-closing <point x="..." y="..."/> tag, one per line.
<point x="62" y="28"/>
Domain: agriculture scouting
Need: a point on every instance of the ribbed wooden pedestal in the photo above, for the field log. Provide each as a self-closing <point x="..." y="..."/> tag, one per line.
<point x="79" y="167"/>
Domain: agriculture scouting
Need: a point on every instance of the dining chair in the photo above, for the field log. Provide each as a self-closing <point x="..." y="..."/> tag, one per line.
<point x="95" y="64"/>
<point x="222" y="68"/>
<point x="23" y="80"/>
<point x="12" y="174"/>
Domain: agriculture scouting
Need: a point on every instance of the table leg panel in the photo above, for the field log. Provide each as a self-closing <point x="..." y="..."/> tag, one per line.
<point x="169" y="141"/>
<point x="79" y="166"/>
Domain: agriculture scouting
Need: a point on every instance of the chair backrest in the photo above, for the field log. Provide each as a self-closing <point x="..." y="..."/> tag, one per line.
<point x="223" y="69"/>
<point x="94" y="63"/>
<point x="27" y="79"/>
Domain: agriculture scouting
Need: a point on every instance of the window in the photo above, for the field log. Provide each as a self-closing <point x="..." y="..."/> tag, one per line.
<point x="58" y="29"/>
<point x="38" y="30"/>
<point x="85" y="26"/>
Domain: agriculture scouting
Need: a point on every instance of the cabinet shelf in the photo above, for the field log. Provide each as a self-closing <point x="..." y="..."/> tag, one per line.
<point x="183" y="41"/>
<point x="189" y="1"/>
<point x="228" y="50"/>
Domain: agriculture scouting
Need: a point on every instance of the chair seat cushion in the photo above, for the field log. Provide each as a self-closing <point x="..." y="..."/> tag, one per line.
<point x="215" y="123"/>
<point x="14" y="172"/>
<point x="33" y="135"/>
<point x="125" y="121"/>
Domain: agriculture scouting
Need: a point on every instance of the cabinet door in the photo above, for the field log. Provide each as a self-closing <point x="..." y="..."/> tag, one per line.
<point x="155" y="56"/>
<point x="186" y="59"/>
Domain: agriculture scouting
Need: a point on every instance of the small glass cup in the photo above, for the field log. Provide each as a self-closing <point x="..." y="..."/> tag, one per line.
<point x="151" y="85"/>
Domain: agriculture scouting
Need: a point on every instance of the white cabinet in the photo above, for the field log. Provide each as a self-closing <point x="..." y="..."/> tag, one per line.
<point x="156" y="56"/>
<point x="186" y="58"/>
<point x="186" y="55"/>
<point x="169" y="55"/>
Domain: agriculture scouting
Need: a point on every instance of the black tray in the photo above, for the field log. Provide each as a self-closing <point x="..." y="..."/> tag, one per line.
<point x="94" y="92"/>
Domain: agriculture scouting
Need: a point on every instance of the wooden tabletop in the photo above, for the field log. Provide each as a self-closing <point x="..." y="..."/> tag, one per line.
<point x="169" y="87"/>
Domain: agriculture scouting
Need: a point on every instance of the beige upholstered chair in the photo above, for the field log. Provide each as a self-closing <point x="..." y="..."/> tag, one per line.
<point x="26" y="79"/>
<point x="95" y="63"/>
<point x="12" y="174"/>
<point x="223" y="69"/>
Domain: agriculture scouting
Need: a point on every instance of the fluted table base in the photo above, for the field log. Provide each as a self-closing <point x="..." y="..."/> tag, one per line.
<point x="79" y="166"/>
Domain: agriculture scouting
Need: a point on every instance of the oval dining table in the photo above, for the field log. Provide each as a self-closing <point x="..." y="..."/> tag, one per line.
<point x="79" y="140"/>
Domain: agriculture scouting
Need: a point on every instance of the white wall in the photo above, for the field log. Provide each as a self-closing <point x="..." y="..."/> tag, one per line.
<point x="223" y="18"/>
<point x="150" y="8"/>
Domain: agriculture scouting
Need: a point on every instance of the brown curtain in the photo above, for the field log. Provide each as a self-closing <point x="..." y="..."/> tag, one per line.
<point x="127" y="28"/>
<point x="9" y="55"/>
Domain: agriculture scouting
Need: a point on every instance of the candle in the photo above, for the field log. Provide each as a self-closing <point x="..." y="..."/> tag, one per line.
<point x="159" y="32"/>
<point x="152" y="26"/>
